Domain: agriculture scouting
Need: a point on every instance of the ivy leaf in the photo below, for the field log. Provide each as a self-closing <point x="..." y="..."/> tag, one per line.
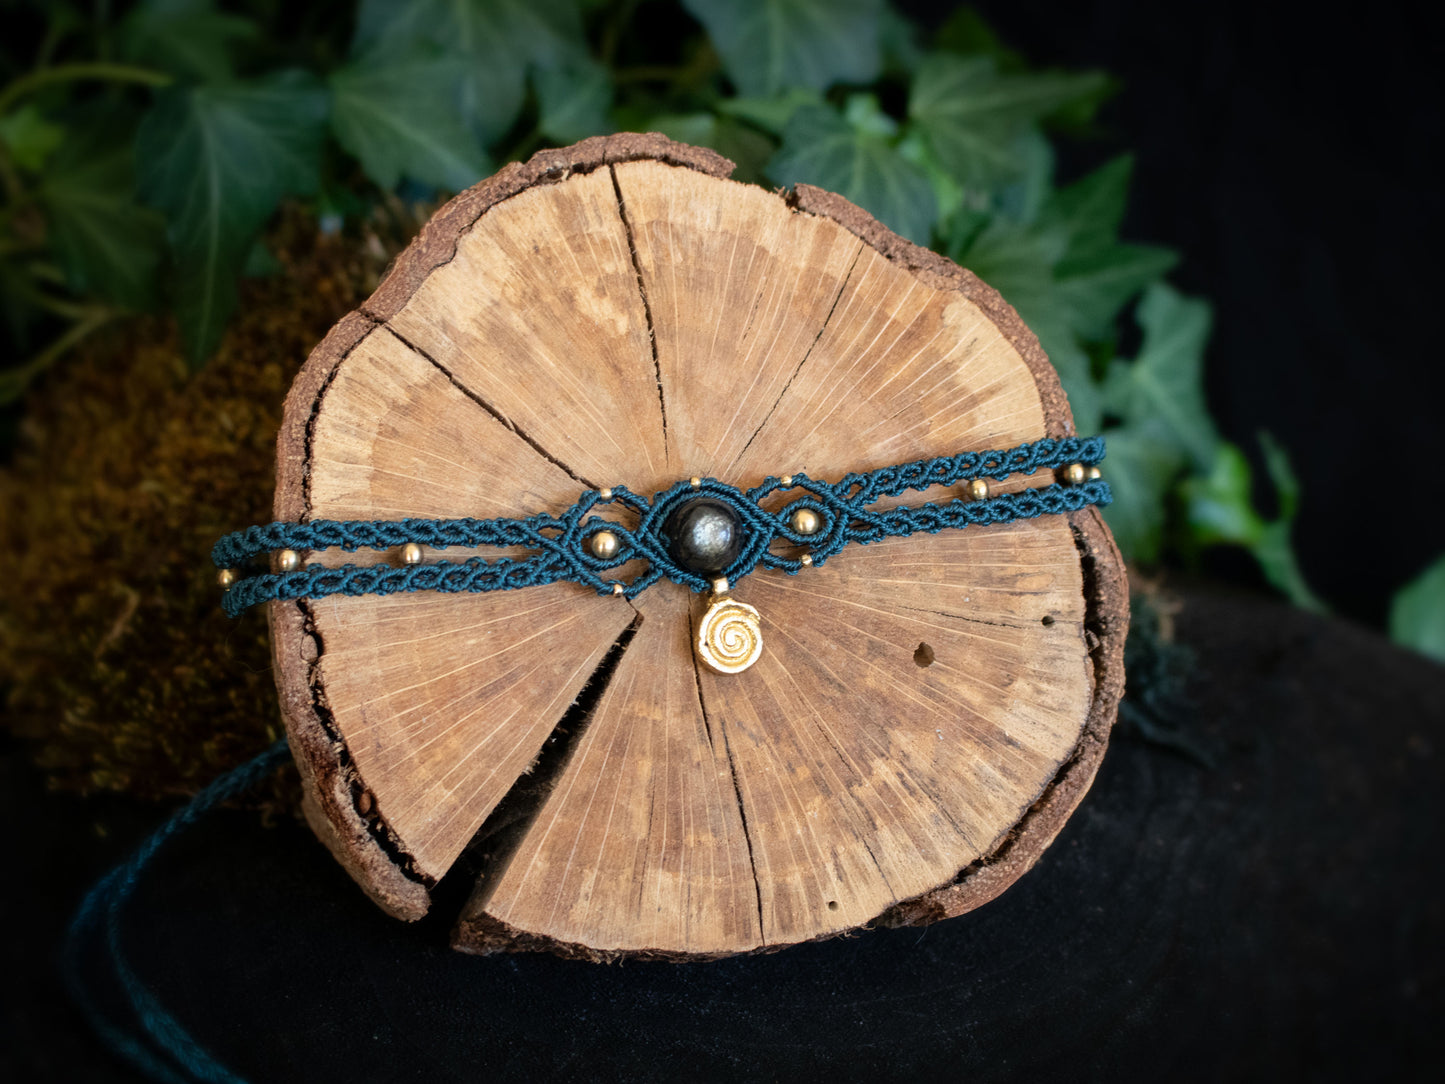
<point x="699" y="129"/>
<point x="1166" y="381"/>
<point x="1092" y="287"/>
<point x="769" y="45"/>
<point x="1054" y="256"/>
<point x="772" y="113"/>
<point x="1097" y="276"/>
<point x="1220" y="504"/>
<point x="497" y="39"/>
<point x="384" y="110"/>
<point x="966" y="32"/>
<point x="1142" y="463"/>
<point x="1071" y="361"/>
<point x="1417" y="612"/>
<point x="948" y="195"/>
<point x="1220" y="507"/>
<point x="188" y="38"/>
<point x="216" y="160"/>
<point x="105" y="241"/>
<point x="1282" y="475"/>
<point x="973" y="116"/>
<point x="1090" y="210"/>
<point x="1019" y="262"/>
<point x="1026" y="197"/>
<point x="1275" y="549"/>
<point x="898" y="36"/>
<point x="573" y="98"/>
<point x="29" y="137"/>
<point x="821" y="148"/>
<point x="748" y="149"/>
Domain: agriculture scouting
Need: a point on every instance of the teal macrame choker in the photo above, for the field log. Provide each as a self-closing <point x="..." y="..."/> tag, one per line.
<point x="822" y="517"/>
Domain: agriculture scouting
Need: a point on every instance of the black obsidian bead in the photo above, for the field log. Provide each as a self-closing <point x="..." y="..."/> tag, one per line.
<point x="703" y="535"/>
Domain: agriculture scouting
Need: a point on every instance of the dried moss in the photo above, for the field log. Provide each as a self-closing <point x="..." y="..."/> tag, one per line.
<point x="115" y="659"/>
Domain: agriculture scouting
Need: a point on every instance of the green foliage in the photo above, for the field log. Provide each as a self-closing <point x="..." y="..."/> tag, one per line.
<point x="768" y="46"/>
<point x="216" y="160"/>
<point x="29" y="137"/>
<point x="1162" y="389"/>
<point x="1417" y="614"/>
<point x="974" y="118"/>
<point x="573" y="100"/>
<point x="141" y="159"/>
<point x="188" y="38"/>
<point x="496" y="43"/>
<point x="852" y="153"/>
<point x="106" y="242"/>
<point x="1220" y="511"/>
<point x="384" y="110"/>
<point x="1056" y="257"/>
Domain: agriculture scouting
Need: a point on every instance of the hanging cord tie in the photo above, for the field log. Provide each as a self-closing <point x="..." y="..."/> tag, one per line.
<point x="158" y="1045"/>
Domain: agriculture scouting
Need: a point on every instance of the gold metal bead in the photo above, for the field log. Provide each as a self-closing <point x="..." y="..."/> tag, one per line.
<point x="1095" y="473"/>
<point x="1074" y="474"/>
<point x="806" y="560"/>
<point x="977" y="489"/>
<point x="787" y="479"/>
<point x="805" y="521"/>
<point x="226" y="578"/>
<point x="288" y="560"/>
<point x="720" y="585"/>
<point x="604" y="545"/>
<point x="694" y="481"/>
<point x="411" y="554"/>
<point x="618" y="589"/>
<point x="605" y="494"/>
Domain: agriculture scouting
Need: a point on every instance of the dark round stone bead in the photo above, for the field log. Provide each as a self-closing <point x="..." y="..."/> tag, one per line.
<point x="703" y="535"/>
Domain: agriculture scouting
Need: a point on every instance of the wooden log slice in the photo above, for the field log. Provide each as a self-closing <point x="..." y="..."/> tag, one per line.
<point x="926" y="711"/>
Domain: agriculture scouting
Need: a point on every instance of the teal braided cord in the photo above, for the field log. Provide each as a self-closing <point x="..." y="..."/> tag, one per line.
<point x="866" y="487"/>
<point x="162" y="1048"/>
<point x="562" y="547"/>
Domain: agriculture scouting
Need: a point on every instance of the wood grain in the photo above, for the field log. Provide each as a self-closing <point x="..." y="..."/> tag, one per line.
<point x="926" y="711"/>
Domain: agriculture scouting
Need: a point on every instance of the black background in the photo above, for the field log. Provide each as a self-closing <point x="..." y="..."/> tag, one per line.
<point x="1289" y="152"/>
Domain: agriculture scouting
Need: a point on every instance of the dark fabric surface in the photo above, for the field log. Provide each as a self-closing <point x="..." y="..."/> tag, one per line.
<point x="1275" y="916"/>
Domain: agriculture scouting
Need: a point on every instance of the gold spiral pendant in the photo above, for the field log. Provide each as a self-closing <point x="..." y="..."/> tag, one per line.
<point x="730" y="636"/>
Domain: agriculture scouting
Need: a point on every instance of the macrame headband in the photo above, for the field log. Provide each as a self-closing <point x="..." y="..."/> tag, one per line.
<point x="700" y="532"/>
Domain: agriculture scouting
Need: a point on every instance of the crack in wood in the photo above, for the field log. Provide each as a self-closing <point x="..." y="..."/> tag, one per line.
<point x="521" y="433"/>
<point x="646" y="304"/>
<point x="843" y="758"/>
<point x="375" y="824"/>
<point x="747" y="834"/>
<point x="377" y="827"/>
<point x="737" y="787"/>
<point x="966" y="617"/>
<point x="513" y="817"/>
<point x="309" y="437"/>
<point x="842" y="286"/>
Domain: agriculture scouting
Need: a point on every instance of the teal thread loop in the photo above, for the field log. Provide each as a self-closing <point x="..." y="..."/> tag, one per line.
<point x="561" y="542"/>
<point x="155" y="1042"/>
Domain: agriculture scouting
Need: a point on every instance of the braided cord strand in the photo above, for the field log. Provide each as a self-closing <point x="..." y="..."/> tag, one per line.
<point x="561" y="542"/>
<point x="865" y="487"/>
<point x="162" y="1049"/>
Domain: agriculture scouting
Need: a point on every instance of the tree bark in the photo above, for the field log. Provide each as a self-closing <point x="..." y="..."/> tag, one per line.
<point x="926" y="712"/>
